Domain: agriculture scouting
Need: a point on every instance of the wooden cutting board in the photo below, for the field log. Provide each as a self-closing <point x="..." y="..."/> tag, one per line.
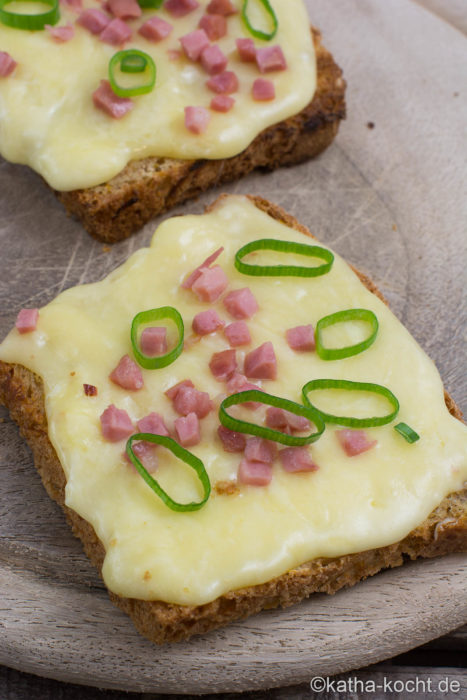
<point x="393" y="200"/>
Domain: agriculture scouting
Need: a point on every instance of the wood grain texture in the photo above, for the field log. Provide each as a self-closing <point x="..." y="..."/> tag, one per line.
<point x="392" y="201"/>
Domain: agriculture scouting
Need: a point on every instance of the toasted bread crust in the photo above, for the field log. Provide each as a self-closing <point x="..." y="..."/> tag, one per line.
<point x="443" y="532"/>
<point x="145" y="188"/>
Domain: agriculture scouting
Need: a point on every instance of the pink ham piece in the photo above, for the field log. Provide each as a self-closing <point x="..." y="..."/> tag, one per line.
<point x="146" y="453"/>
<point x="237" y="333"/>
<point x="155" y="29"/>
<point x="237" y="383"/>
<point x="191" y="279"/>
<point x="124" y="9"/>
<point x="231" y="440"/>
<point x="210" y="284"/>
<point x="285" y="421"/>
<point x="173" y="391"/>
<point x="61" y="34"/>
<point x="26" y="320"/>
<point x="116" y="33"/>
<point x="180" y="8"/>
<point x="297" y="459"/>
<point x="246" y="50"/>
<point x="105" y="99"/>
<point x="190" y="400"/>
<point x="261" y="363"/>
<point x="270" y="58"/>
<point x="187" y="430"/>
<point x="301" y="338"/>
<point x="153" y="423"/>
<point x="207" y="322"/>
<point x="115" y="424"/>
<point x="153" y="341"/>
<point x="222" y="103"/>
<point x="215" y="26"/>
<point x="241" y="303"/>
<point x="213" y="60"/>
<point x="221" y="7"/>
<point x="254" y="473"/>
<point x="197" y="119"/>
<point x="354" y="442"/>
<point x="223" y="83"/>
<point x="223" y="364"/>
<point x="127" y="374"/>
<point x="260" y="450"/>
<point x="194" y="43"/>
<point x="75" y="5"/>
<point x="95" y="21"/>
<point x="263" y="90"/>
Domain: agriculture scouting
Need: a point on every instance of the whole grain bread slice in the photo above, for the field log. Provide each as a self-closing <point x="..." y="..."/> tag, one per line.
<point x="145" y="188"/>
<point x="443" y="532"/>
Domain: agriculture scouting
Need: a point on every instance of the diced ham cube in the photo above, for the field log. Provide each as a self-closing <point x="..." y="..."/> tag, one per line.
<point x="116" y="424"/>
<point x="261" y="363"/>
<point x="173" y="391"/>
<point x="246" y="50"/>
<point x="124" y="9"/>
<point x="297" y="459"/>
<point x="260" y="450"/>
<point x="210" y="284"/>
<point x="237" y="383"/>
<point x="194" y="43"/>
<point x="155" y="29"/>
<point x="189" y="400"/>
<point x="90" y="389"/>
<point x="263" y="90"/>
<point x="94" y="20"/>
<point x="254" y="473"/>
<point x="221" y="7"/>
<point x="153" y="341"/>
<point x="223" y="364"/>
<point x="231" y="440"/>
<point x="26" y="320"/>
<point x="75" y="5"/>
<point x="270" y="58"/>
<point x="191" y="279"/>
<point x="354" y="442"/>
<point x="116" y="32"/>
<point x="180" y="8"/>
<point x="286" y="421"/>
<point x="196" y="119"/>
<point x="61" y="34"/>
<point x="213" y="60"/>
<point x="105" y="99"/>
<point x="187" y="430"/>
<point x="241" y="303"/>
<point x="146" y="453"/>
<point x="127" y="374"/>
<point x="224" y="83"/>
<point x="301" y="338"/>
<point x="222" y="103"/>
<point x="207" y="322"/>
<point x="153" y="423"/>
<point x="7" y="64"/>
<point x="237" y="333"/>
<point x="215" y="26"/>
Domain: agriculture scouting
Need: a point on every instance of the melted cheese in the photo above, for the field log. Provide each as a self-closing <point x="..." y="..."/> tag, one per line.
<point x="48" y="120"/>
<point x="349" y="505"/>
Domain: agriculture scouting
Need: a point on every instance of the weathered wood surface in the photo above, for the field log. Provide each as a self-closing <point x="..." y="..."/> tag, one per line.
<point x="393" y="201"/>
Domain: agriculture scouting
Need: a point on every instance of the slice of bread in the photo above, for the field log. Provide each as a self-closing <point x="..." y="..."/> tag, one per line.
<point x="443" y="532"/>
<point x="145" y="188"/>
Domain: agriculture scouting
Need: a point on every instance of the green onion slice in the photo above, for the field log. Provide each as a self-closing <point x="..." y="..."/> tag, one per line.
<point x="347" y="385"/>
<point x="148" y="317"/>
<point x="258" y="33"/>
<point x="132" y="57"/>
<point x="188" y="457"/>
<point x="312" y="251"/>
<point x="407" y="432"/>
<point x="241" y="426"/>
<point x="155" y="4"/>
<point x="30" y="22"/>
<point x="339" y="317"/>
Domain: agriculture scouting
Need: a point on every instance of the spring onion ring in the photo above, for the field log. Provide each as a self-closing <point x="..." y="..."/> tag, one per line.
<point x="347" y="385"/>
<point x="185" y="456"/>
<point x="407" y="432"/>
<point x="313" y="251"/>
<point x="30" y="22"/>
<point x="339" y="317"/>
<point x="154" y="4"/>
<point x="257" y="33"/>
<point x="133" y="63"/>
<point x="144" y="317"/>
<point x="241" y="426"/>
<point x="127" y="57"/>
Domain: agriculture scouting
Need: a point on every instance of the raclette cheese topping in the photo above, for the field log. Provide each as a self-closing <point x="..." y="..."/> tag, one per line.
<point x="48" y="119"/>
<point x="248" y="537"/>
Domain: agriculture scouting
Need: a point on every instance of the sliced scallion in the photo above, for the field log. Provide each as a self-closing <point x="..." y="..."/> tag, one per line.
<point x="144" y="317"/>
<point x="132" y="57"/>
<point x="30" y="22"/>
<point x="407" y="432"/>
<point x="272" y="18"/>
<point x="312" y="251"/>
<point x="339" y="317"/>
<point x="153" y="4"/>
